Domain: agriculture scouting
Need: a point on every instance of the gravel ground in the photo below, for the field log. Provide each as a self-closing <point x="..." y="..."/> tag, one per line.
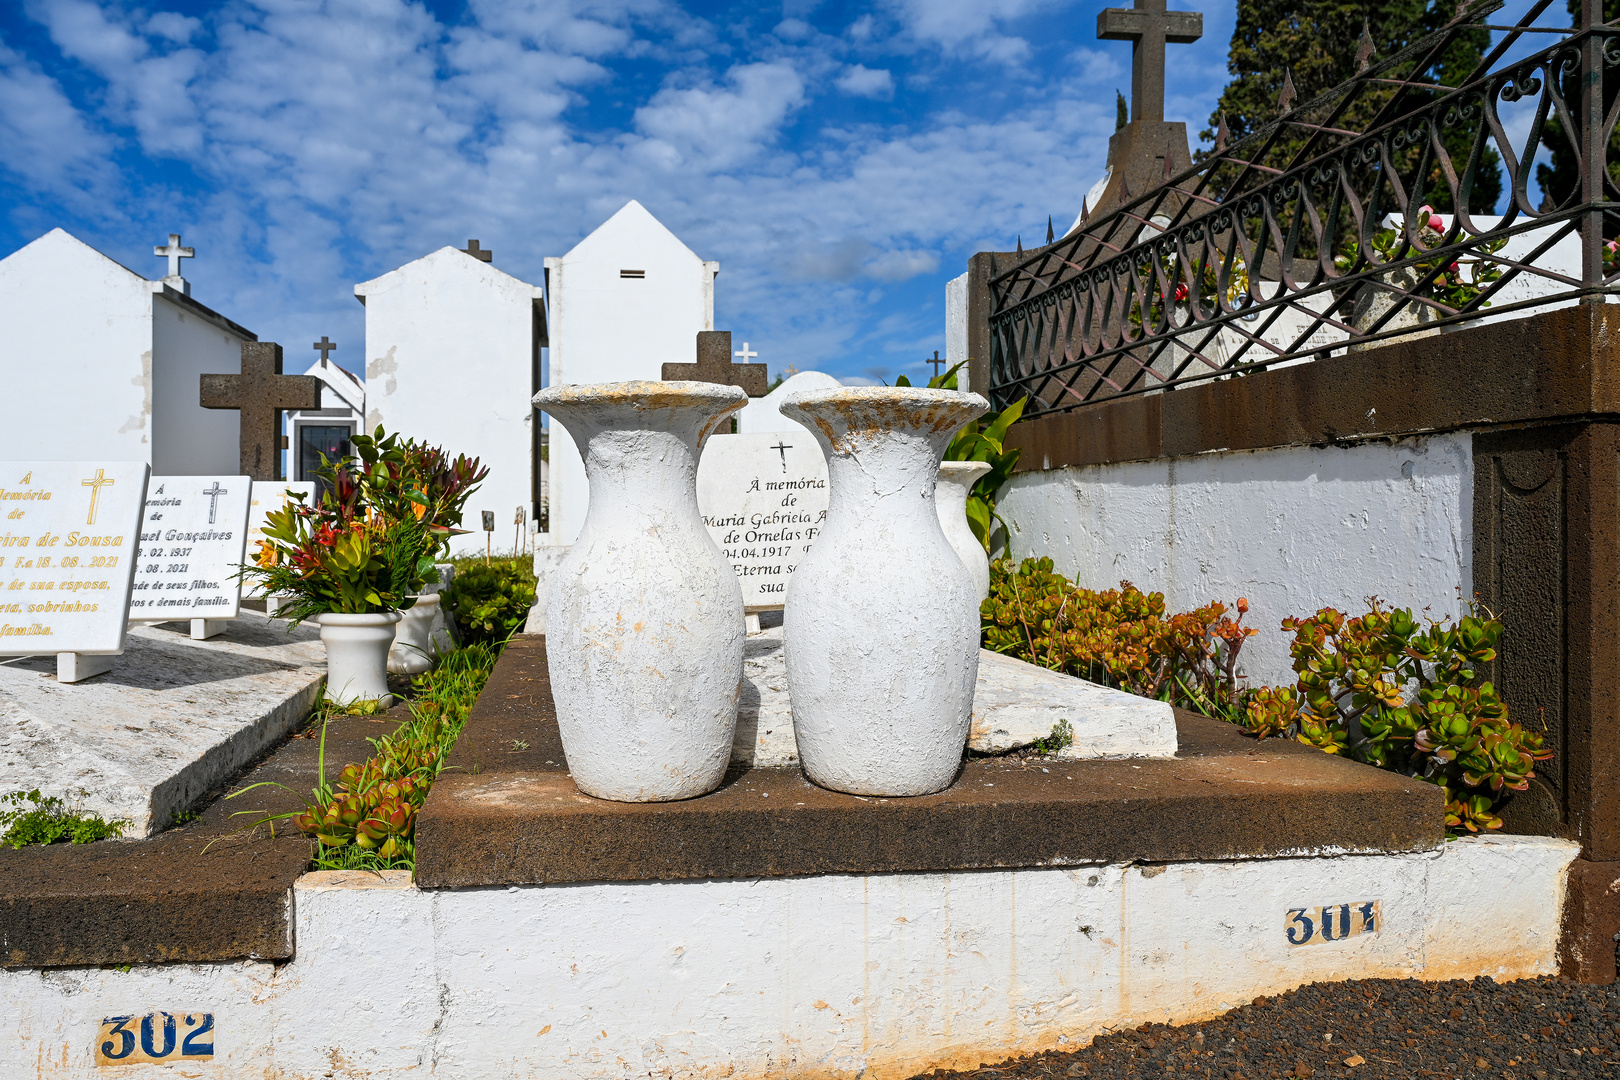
<point x="1395" y="1028"/>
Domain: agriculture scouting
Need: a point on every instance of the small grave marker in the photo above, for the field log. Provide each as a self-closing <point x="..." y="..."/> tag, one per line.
<point x="193" y="539"/>
<point x="714" y="365"/>
<point x="268" y="495"/>
<point x="763" y="498"/>
<point x="67" y="559"/>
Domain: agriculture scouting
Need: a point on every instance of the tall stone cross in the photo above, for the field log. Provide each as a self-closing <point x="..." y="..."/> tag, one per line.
<point x="324" y="346"/>
<point x="261" y="392"/>
<point x="714" y="365"/>
<point x="1148" y="26"/>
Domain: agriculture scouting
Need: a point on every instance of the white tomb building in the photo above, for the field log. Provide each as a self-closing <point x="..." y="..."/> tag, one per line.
<point x="624" y="301"/>
<point x="329" y="429"/>
<point x="452" y="358"/>
<point x="101" y="362"/>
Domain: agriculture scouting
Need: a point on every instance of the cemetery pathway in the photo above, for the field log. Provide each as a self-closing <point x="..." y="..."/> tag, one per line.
<point x="1398" y="1029"/>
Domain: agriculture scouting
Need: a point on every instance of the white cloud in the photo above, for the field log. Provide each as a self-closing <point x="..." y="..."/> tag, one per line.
<point x="721" y="127"/>
<point x="861" y="81"/>
<point x="44" y="140"/>
<point x="970" y="27"/>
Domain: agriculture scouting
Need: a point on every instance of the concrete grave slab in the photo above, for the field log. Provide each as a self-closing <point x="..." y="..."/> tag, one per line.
<point x="170" y="720"/>
<point x="1014" y="705"/>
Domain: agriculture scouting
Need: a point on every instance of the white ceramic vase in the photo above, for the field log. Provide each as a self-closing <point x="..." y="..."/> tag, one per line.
<point x="882" y="620"/>
<point x="413" y="649"/>
<point x="644" y="616"/>
<point x="951" y="491"/>
<point x="357" y="655"/>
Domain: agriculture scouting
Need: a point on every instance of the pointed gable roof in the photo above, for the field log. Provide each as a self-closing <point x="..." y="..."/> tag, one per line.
<point x="632" y="229"/>
<point x="437" y="264"/>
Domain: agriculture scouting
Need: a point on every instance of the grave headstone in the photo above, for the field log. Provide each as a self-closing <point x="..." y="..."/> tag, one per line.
<point x="763" y="498"/>
<point x="67" y="559"/>
<point x="193" y="538"/>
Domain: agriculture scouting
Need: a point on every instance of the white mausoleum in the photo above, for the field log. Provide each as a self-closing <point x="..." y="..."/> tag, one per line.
<point x="627" y="299"/>
<point x="329" y="429"/>
<point x="100" y="362"/>
<point x="452" y="358"/>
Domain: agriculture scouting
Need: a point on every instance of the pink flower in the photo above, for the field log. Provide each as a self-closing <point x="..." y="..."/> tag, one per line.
<point x="1452" y="269"/>
<point x="1434" y="221"/>
<point x="1181" y="292"/>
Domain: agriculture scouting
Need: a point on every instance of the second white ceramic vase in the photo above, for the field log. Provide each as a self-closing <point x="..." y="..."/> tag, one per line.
<point x="881" y="630"/>
<point x="357" y="655"/>
<point x="951" y="491"/>
<point x="413" y="649"/>
<point x="644" y="616"/>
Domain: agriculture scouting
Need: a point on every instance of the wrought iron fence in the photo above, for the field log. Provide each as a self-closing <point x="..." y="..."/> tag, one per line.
<point x="1240" y="262"/>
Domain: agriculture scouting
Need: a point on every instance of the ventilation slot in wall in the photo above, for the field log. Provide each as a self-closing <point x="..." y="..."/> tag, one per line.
<point x="633" y="273"/>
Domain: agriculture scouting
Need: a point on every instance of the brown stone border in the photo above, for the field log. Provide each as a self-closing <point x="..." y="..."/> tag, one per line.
<point x="505" y="814"/>
<point x="1549" y="367"/>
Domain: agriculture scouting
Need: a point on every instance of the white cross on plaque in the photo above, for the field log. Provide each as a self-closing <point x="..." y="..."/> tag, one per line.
<point x="213" y="494"/>
<point x="175" y="253"/>
<point x="745" y="354"/>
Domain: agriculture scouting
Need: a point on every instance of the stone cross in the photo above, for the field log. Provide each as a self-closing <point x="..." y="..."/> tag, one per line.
<point x="95" y="484"/>
<point x="324" y="346"/>
<point x="936" y="361"/>
<point x="261" y="392"/>
<point x="213" y="494"/>
<point x="745" y="354"/>
<point x="714" y="365"/>
<point x="482" y="255"/>
<point x="1148" y="26"/>
<point x="175" y="253"/>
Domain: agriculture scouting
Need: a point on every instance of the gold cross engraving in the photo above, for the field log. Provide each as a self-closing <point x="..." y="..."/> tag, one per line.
<point x="95" y="484"/>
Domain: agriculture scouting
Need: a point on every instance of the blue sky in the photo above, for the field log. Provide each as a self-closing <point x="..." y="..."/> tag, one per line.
<point x="840" y="160"/>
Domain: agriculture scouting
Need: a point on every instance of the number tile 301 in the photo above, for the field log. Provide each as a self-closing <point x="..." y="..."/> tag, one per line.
<point x="1332" y="922"/>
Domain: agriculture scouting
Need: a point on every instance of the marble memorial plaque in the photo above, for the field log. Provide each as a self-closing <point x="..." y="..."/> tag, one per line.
<point x="271" y="495"/>
<point x="192" y="541"/>
<point x="764" y="498"/>
<point x="67" y="554"/>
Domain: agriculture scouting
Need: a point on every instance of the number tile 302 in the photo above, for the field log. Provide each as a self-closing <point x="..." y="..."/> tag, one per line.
<point x="157" y="1036"/>
<point x="1332" y="922"/>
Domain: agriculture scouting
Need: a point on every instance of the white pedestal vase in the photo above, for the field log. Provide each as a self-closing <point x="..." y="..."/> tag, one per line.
<point x="413" y="650"/>
<point x="644" y="616"/>
<point x="882" y="619"/>
<point x="951" y="491"/>
<point x="357" y="655"/>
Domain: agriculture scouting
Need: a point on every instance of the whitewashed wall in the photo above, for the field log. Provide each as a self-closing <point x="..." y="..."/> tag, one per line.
<point x="451" y="359"/>
<point x="76" y="354"/>
<point x="1291" y="530"/>
<point x="607" y="328"/>
<point x="187" y="439"/>
<point x="878" y="976"/>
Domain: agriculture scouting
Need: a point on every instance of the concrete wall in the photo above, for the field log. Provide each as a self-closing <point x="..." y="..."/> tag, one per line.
<point x="878" y="976"/>
<point x="451" y="359"/>
<point x="607" y="328"/>
<point x="1292" y="530"/>
<point x="189" y="440"/>
<point x="76" y="354"/>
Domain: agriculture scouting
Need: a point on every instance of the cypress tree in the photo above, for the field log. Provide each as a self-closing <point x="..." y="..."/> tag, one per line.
<point x="1315" y="42"/>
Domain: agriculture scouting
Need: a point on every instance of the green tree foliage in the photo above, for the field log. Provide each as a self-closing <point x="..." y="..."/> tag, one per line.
<point x="1316" y="41"/>
<point x="1560" y="181"/>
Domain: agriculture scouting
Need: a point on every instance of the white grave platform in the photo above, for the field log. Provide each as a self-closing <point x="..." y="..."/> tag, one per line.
<point x="67" y="558"/>
<point x="763" y="498"/>
<point x="1014" y="704"/>
<point x="192" y="542"/>
<point x="167" y="722"/>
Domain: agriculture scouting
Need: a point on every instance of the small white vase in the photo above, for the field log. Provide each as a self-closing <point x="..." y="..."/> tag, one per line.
<point x="413" y="648"/>
<point x="951" y="491"/>
<point x="644" y="616"/>
<point x="882" y="621"/>
<point x="357" y="655"/>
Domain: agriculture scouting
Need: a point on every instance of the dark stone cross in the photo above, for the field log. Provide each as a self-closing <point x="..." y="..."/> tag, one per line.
<point x="324" y="346"/>
<point x="1148" y="26"/>
<point x="481" y="254"/>
<point x="714" y="366"/>
<point x="937" y="362"/>
<point x="782" y="447"/>
<point x="261" y="392"/>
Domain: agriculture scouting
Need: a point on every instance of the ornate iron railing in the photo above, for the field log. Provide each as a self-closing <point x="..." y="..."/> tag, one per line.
<point x="1237" y="263"/>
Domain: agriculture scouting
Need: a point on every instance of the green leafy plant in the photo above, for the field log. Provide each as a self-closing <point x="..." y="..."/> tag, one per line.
<point x="366" y="819"/>
<point x="1460" y="282"/>
<point x="369" y="542"/>
<point x="1119" y="637"/>
<point x="1062" y="735"/>
<point x="1382" y="689"/>
<point x="983" y="440"/>
<point x="45" y="819"/>
<point x="490" y="602"/>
